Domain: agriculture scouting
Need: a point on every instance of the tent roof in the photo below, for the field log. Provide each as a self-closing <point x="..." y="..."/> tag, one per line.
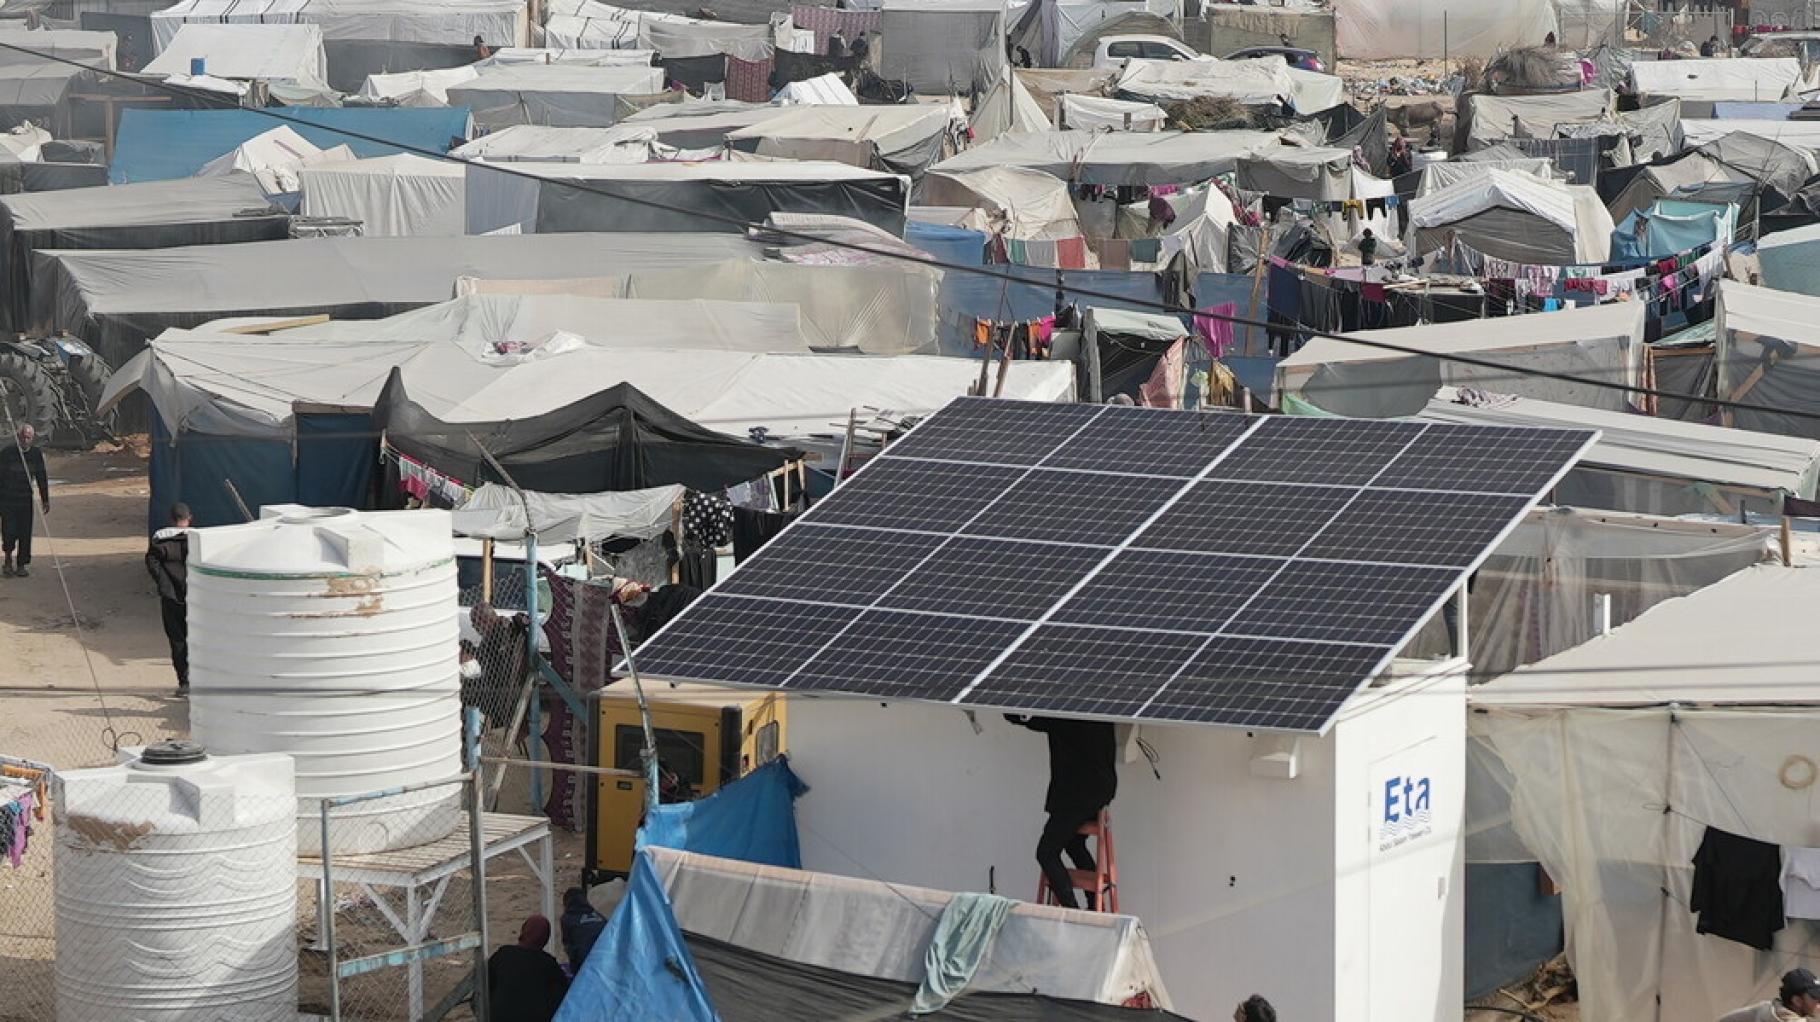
<point x="621" y="143"/>
<point x="612" y="80"/>
<point x="1495" y="189"/>
<point x="1745" y="78"/>
<point x="1746" y="639"/>
<point x="94" y="49"/>
<point x="187" y="200"/>
<point x="1653" y="446"/>
<point x="712" y="170"/>
<point x="1117" y="157"/>
<point x="399" y="165"/>
<point x="1263" y="81"/>
<point x="278" y="53"/>
<point x="1803" y="135"/>
<point x="891" y="127"/>
<point x="1768" y="312"/>
<point x="1570" y="326"/>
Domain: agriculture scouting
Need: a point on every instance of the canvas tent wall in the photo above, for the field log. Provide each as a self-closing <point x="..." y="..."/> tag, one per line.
<point x="1767" y="354"/>
<point x="900" y="139"/>
<point x="1700" y="705"/>
<point x="1734" y="78"/>
<point x="1008" y="106"/>
<point x="1790" y="260"/>
<point x="415" y="88"/>
<point x="719" y="196"/>
<point x="34" y="46"/>
<point x="1395" y="29"/>
<point x="158" y="145"/>
<point x="1091" y="112"/>
<point x="1796" y="134"/>
<point x="942" y="46"/>
<point x="1010" y="202"/>
<point x="163" y="214"/>
<point x="1657" y="466"/>
<point x="116" y="300"/>
<point x="285" y="54"/>
<point x="622" y="143"/>
<point x="391" y="196"/>
<point x="700" y="125"/>
<point x="1514" y="216"/>
<point x="1120" y="157"/>
<point x="1266" y="82"/>
<point x="1292" y="172"/>
<point x="1600" y="342"/>
<point x="556" y="95"/>
<point x="1486" y="119"/>
<point x="1445" y="174"/>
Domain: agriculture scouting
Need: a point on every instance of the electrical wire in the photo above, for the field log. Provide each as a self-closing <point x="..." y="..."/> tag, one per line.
<point x="931" y="262"/>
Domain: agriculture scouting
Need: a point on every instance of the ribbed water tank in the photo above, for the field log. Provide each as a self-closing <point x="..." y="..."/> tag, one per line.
<point x="176" y="889"/>
<point x="331" y="635"/>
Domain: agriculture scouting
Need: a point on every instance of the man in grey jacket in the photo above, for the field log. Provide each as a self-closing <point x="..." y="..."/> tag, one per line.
<point x="1799" y="998"/>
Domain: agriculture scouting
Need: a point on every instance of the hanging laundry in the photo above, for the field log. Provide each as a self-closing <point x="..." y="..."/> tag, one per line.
<point x="1169" y="380"/>
<point x="708" y="517"/>
<point x="1216" y="332"/>
<point x="16" y="828"/>
<point x="1801" y="883"/>
<point x="1737" y="891"/>
<point x="757" y="494"/>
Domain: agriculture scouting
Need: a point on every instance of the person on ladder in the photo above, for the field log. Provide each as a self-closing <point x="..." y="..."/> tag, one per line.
<point x="1083" y="778"/>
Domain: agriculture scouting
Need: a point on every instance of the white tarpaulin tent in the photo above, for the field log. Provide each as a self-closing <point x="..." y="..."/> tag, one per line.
<point x="1495" y="118"/>
<point x="1008" y="106"/>
<point x="275" y="158"/>
<point x="286" y="54"/>
<point x="687" y="37"/>
<point x="498" y="512"/>
<point x="943" y="46"/>
<point x="1400" y="29"/>
<point x="1514" y="216"/>
<point x="1803" y="135"/>
<point x="1446" y="174"/>
<point x="872" y="928"/>
<point x="1601" y="342"/>
<point x="1090" y="112"/>
<point x="1724" y="78"/>
<point x="557" y="95"/>
<point x="1009" y="201"/>
<point x="416" y="88"/>
<point x="1263" y="81"/>
<point x="90" y="49"/>
<point x="588" y="25"/>
<point x="450" y="22"/>
<point x="1618" y="755"/>
<point x="826" y="90"/>
<point x="391" y="196"/>
<point x="1766" y="354"/>
<point x="1656" y="466"/>
<point x="1118" y="157"/>
<point x="545" y="55"/>
<point x="621" y="143"/>
<point x="904" y="139"/>
<point x="1298" y="172"/>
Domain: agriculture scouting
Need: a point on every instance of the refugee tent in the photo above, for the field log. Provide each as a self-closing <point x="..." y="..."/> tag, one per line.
<point x="1090" y="112"/>
<point x="160" y="214"/>
<point x="89" y="49"/>
<point x="1048" y="85"/>
<point x="274" y="159"/>
<point x="622" y="143"/>
<point x="390" y="196"/>
<point x="1796" y="134"/>
<point x="1010" y="202"/>
<point x="681" y="197"/>
<point x="1767" y="351"/>
<point x="1722" y="78"/>
<point x="158" y="145"/>
<point x="1118" y="157"/>
<point x="1655" y="466"/>
<point x="1007" y="107"/>
<point x="700" y="125"/>
<point x="1514" y="216"/>
<point x="826" y="90"/>
<point x="1485" y="119"/>
<point x="1051" y="29"/>
<point x="1597" y="343"/>
<point x="542" y="55"/>
<point x="284" y="54"/>
<point x="1623" y="756"/>
<point x="1298" y="172"/>
<point x="1120" y="350"/>
<point x="1267" y="82"/>
<point x="943" y="47"/>
<point x="556" y="95"/>
<point x="415" y="88"/>
<point x="587" y="25"/>
<point x="1447" y="173"/>
<point x="115" y="300"/>
<point x="903" y="139"/>
<point x="1671" y="226"/>
<point x="677" y="38"/>
<point x="1398" y="30"/>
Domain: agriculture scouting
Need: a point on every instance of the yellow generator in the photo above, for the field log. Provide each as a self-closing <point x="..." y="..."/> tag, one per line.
<point x="706" y="736"/>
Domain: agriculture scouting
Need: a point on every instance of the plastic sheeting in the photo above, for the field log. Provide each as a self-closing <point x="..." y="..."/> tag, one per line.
<point x="1767" y="348"/>
<point x="752" y="819"/>
<point x="1601" y="342"/>
<point x="1491" y="119"/>
<point x="1264" y="81"/>
<point x="1090" y="112"/>
<point x="1008" y="201"/>
<point x="1439" y="176"/>
<point x="158" y="145"/>
<point x="901" y="139"/>
<point x="1515" y="216"/>
<point x="391" y="196"/>
<point x="688" y="197"/>
<point x="288" y="54"/>
<point x="275" y="159"/>
<point x="90" y="49"/>
<point x="1119" y="157"/>
<point x="1008" y="107"/>
<point x="416" y="88"/>
<point x="1722" y="78"/>
<point x="558" y="95"/>
<point x="1399" y="29"/>
<point x="1790" y="260"/>
<point x="498" y="512"/>
<point x="1674" y="226"/>
<point x="452" y="22"/>
<point x="681" y="38"/>
<point x="1612" y="790"/>
<point x="622" y="143"/>
<point x="872" y="928"/>
<point x="1803" y="135"/>
<point x="1298" y="173"/>
<point x="640" y="967"/>
<point x="943" y="46"/>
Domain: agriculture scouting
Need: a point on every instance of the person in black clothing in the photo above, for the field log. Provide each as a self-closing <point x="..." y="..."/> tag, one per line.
<point x="1254" y="1009"/>
<point x="581" y="926"/>
<point x="1083" y="778"/>
<point x="1710" y="48"/>
<point x="1368" y="248"/>
<point x="166" y="560"/>
<point x="524" y="983"/>
<point x="1401" y="160"/>
<point x="20" y="465"/>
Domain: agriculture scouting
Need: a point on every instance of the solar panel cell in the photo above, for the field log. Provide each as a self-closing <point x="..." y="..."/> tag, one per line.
<point x="925" y="495"/>
<point x="915" y="656"/>
<point x="831" y="565"/>
<point x="1140" y="442"/>
<point x="1416" y="527"/>
<point x="1264" y="519"/>
<point x="1334" y="452"/>
<point x="1096" y="671"/>
<point x="999" y="432"/>
<point x="742" y="642"/>
<point x="994" y="578"/>
<point x="1151" y="590"/>
<point x="1344" y="602"/>
<point x="1076" y="507"/>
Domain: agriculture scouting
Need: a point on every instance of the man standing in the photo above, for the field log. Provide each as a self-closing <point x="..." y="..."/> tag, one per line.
<point x="1799" y="998"/>
<point x="167" y="561"/>
<point x="1083" y="778"/>
<point x="20" y="464"/>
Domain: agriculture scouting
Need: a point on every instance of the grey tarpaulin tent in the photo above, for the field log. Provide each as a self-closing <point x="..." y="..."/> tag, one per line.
<point x="555" y="95"/>
<point x="158" y="214"/>
<point x="943" y="46"/>
<point x="902" y="139"/>
<point x="1118" y="157"/>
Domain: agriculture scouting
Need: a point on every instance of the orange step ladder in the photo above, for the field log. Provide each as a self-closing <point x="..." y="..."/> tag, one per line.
<point x="1101" y="882"/>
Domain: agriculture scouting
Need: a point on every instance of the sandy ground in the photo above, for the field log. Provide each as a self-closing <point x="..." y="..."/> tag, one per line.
<point x="52" y="709"/>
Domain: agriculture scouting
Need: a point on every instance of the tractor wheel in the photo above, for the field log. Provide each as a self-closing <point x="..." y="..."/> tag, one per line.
<point x="91" y="375"/>
<point x="28" y="392"/>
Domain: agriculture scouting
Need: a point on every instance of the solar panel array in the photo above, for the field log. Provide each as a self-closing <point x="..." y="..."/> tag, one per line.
<point x="1121" y="562"/>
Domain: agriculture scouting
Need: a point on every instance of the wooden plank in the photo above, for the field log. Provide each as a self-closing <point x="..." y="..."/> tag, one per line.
<point x="282" y="324"/>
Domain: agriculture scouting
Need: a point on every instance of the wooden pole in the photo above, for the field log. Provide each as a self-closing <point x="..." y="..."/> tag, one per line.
<point x="1004" y="366"/>
<point x="1787" y="536"/>
<point x="1257" y="287"/>
<point x="486" y="570"/>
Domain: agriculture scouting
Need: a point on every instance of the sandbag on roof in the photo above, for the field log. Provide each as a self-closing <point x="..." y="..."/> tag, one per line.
<point x="559" y="95"/>
<point x="902" y="139"/>
<point x="1515" y="216"/>
<point x="289" y="54"/>
<point x="1118" y="158"/>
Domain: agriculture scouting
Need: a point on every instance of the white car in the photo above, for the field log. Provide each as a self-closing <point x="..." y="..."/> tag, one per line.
<point x="1114" y="50"/>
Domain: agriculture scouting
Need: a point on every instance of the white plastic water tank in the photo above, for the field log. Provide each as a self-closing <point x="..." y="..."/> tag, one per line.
<point x="331" y="635"/>
<point x="176" y="890"/>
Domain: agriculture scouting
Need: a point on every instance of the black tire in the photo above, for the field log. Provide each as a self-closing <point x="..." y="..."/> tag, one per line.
<point x="29" y="393"/>
<point x="91" y="374"/>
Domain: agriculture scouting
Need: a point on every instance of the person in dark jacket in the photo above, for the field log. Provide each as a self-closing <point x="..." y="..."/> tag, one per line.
<point x="166" y="560"/>
<point x="21" y="464"/>
<point x="524" y="983"/>
<point x="581" y="926"/>
<point x="1083" y="778"/>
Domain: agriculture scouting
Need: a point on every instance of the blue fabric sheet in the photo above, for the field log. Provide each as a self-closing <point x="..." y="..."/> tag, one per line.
<point x="197" y="467"/>
<point x="966" y="297"/>
<point x="957" y="245"/>
<point x="640" y="969"/>
<point x="1675" y="226"/>
<point x="753" y="819"/>
<point x="161" y="145"/>
<point x="963" y="937"/>
<point x="335" y="456"/>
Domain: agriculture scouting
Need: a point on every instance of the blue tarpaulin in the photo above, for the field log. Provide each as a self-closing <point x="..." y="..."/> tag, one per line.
<point x="958" y="245"/>
<point x="1675" y="225"/>
<point x="752" y="819"/>
<point x="640" y="969"/>
<point x="161" y="145"/>
<point x="330" y="464"/>
<point x="967" y="297"/>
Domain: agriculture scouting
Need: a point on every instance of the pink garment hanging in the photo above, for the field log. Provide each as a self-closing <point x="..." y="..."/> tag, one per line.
<point x="1216" y="332"/>
<point x="1166" y="384"/>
